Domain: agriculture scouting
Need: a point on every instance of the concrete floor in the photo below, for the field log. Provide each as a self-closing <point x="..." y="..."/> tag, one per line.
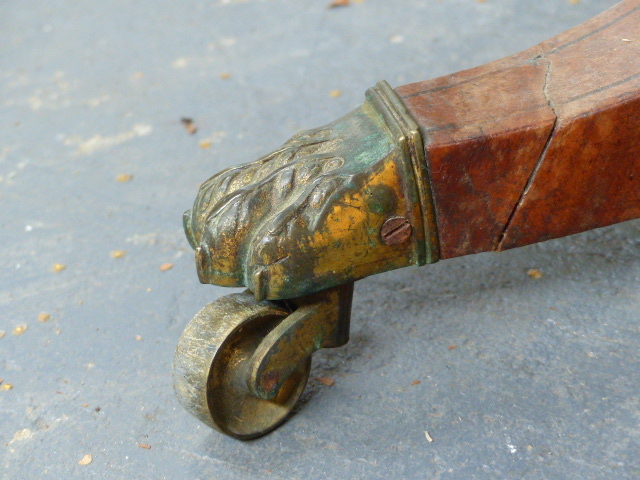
<point x="519" y="377"/>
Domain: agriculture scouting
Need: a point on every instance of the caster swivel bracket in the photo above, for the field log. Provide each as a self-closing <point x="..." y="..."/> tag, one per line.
<point x="320" y="320"/>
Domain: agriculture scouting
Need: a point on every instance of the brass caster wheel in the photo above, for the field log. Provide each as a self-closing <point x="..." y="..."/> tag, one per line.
<point x="241" y="364"/>
<point x="212" y="363"/>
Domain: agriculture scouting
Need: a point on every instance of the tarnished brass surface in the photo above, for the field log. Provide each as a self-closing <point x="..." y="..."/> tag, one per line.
<point x="212" y="361"/>
<point x="407" y="131"/>
<point x="319" y="321"/>
<point x="309" y="216"/>
<point x="298" y="227"/>
<point x="241" y="364"/>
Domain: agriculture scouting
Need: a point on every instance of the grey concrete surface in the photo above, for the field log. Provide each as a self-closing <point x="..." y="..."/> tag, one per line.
<point x="544" y="378"/>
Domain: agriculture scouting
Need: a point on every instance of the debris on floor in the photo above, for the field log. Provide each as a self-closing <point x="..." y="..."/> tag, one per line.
<point x="189" y="126"/>
<point x="326" y="381"/>
<point x="20" y="329"/>
<point x="124" y="178"/>
<point x="535" y="273"/>
<point x="339" y="3"/>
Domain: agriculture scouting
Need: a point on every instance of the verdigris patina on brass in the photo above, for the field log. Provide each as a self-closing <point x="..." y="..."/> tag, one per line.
<point x="298" y="227"/>
<point x="309" y="215"/>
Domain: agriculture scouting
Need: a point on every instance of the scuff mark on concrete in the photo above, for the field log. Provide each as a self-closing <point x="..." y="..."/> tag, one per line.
<point x="99" y="142"/>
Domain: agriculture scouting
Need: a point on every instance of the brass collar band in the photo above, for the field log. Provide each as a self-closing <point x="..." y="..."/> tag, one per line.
<point x="407" y="133"/>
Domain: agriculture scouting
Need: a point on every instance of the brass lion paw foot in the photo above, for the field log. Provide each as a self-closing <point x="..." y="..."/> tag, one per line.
<point x="297" y="227"/>
<point x="310" y="215"/>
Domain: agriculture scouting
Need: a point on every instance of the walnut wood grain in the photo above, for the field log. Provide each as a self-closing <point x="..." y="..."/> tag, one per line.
<point x="539" y="145"/>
